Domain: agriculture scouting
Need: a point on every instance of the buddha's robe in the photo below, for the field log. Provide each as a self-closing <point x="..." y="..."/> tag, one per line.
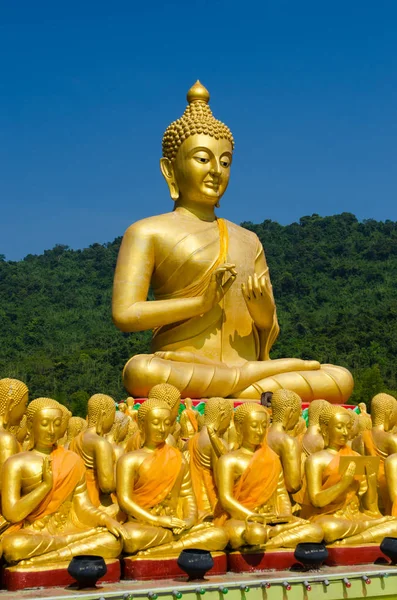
<point x="371" y="449"/>
<point x="55" y="525"/>
<point x="261" y="487"/>
<point x="221" y="352"/>
<point x="188" y="423"/>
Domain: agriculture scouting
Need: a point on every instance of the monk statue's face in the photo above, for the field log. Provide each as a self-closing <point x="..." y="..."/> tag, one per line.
<point x="158" y="425"/>
<point x="201" y="170"/>
<point x="47" y="427"/>
<point x="339" y="429"/>
<point x="254" y="428"/>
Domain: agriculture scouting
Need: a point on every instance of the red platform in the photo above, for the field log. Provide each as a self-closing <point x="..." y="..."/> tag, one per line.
<point x="354" y="555"/>
<point x="248" y="562"/>
<point x="144" y="569"/>
<point x="21" y="578"/>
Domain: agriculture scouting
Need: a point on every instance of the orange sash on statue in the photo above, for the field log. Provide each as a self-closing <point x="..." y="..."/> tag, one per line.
<point x="68" y="470"/>
<point x="157" y="475"/>
<point x="331" y="476"/>
<point x="258" y="482"/>
<point x="200" y="475"/>
<point x="191" y="414"/>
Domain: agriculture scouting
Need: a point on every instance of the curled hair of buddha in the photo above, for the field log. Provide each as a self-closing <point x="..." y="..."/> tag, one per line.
<point x="12" y="392"/>
<point x="97" y="404"/>
<point x="214" y="406"/>
<point x="75" y="426"/>
<point x="146" y="407"/>
<point x="166" y="393"/>
<point x="314" y="410"/>
<point x="197" y="118"/>
<point x="382" y="407"/>
<point x="282" y="400"/>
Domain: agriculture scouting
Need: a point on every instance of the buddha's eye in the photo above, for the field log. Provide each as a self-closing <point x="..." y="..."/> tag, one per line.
<point x="225" y="163"/>
<point x="202" y="159"/>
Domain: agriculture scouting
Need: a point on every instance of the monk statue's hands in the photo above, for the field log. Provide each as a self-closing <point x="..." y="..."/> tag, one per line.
<point x="113" y="527"/>
<point x="217" y="287"/>
<point x="348" y="475"/>
<point x="48" y="479"/>
<point x="169" y="522"/>
<point x="258" y="296"/>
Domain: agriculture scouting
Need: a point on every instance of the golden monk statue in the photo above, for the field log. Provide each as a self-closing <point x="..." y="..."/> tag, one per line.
<point x="45" y="498"/>
<point x="381" y="441"/>
<point x="204" y="450"/>
<point x="118" y="433"/>
<point x="188" y="421"/>
<point x="344" y="504"/>
<point x="312" y="440"/>
<point x="75" y="426"/>
<point x="251" y="487"/>
<point x="13" y="401"/>
<point x="286" y="410"/>
<point x="214" y="317"/>
<point x="155" y="491"/>
<point x="96" y="451"/>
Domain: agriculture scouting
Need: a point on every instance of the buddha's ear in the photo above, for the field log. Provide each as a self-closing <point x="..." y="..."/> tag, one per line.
<point x="167" y="169"/>
<point x="324" y="433"/>
<point x="98" y="425"/>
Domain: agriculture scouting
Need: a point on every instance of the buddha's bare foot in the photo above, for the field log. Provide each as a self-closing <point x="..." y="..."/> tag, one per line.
<point x="25" y="563"/>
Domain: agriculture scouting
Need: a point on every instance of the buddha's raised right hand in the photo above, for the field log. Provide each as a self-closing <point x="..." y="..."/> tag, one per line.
<point x="47" y="473"/>
<point x="216" y="288"/>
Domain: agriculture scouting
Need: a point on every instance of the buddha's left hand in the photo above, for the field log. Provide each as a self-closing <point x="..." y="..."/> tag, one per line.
<point x="114" y="527"/>
<point x="258" y="297"/>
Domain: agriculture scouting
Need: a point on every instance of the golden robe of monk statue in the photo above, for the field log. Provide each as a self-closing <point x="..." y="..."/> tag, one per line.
<point x="214" y="317"/>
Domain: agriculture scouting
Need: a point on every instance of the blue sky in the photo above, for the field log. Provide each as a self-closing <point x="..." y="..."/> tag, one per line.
<point x="308" y="88"/>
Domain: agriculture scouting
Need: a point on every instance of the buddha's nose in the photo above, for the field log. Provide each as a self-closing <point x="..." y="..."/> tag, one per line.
<point x="215" y="167"/>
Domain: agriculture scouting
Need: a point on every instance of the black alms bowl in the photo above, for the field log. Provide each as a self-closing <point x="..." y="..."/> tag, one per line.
<point x="86" y="569"/>
<point x="389" y="547"/>
<point x="195" y="563"/>
<point x="311" y="555"/>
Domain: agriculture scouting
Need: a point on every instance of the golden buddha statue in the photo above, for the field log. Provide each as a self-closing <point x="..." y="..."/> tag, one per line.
<point x="188" y="421"/>
<point x="204" y="450"/>
<point x="75" y="426"/>
<point x="13" y="401"/>
<point x="251" y="487"/>
<point x="118" y="433"/>
<point x="343" y="504"/>
<point x="155" y="491"/>
<point x="45" y="499"/>
<point x="286" y="410"/>
<point x="96" y="451"/>
<point x="312" y="440"/>
<point x="214" y="317"/>
<point x="381" y="441"/>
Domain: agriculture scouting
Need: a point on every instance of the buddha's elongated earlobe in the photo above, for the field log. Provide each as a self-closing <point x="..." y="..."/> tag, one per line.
<point x="167" y="170"/>
<point x="98" y="425"/>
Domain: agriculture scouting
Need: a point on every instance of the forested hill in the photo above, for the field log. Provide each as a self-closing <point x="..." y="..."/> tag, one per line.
<point x="334" y="281"/>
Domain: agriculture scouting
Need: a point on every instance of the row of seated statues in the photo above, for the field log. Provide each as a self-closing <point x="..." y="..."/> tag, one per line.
<point x="150" y="483"/>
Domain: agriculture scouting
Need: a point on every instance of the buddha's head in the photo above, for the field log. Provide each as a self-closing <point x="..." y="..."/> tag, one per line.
<point x="75" y="426"/>
<point x="154" y="422"/>
<point x="122" y="407"/>
<point x="251" y="421"/>
<point x="13" y="401"/>
<point x="170" y="395"/>
<point x="314" y="411"/>
<point x="101" y="411"/>
<point x="130" y="402"/>
<point x="286" y="408"/>
<point x="335" y="426"/>
<point x="189" y="403"/>
<point x="197" y="153"/>
<point x="220" y="411"/>
<point x="384" y="411"/>
<point x="44" y="423"/>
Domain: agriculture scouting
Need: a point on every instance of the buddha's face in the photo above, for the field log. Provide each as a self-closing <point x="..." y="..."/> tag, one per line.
<point x="339" y="429"/>
<point x="47" y="427"/>
<point x="157" y="426"/>
<point x="254" y="427"/>
<point x="17" y="411"/>
<point x="201" y="169"/>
